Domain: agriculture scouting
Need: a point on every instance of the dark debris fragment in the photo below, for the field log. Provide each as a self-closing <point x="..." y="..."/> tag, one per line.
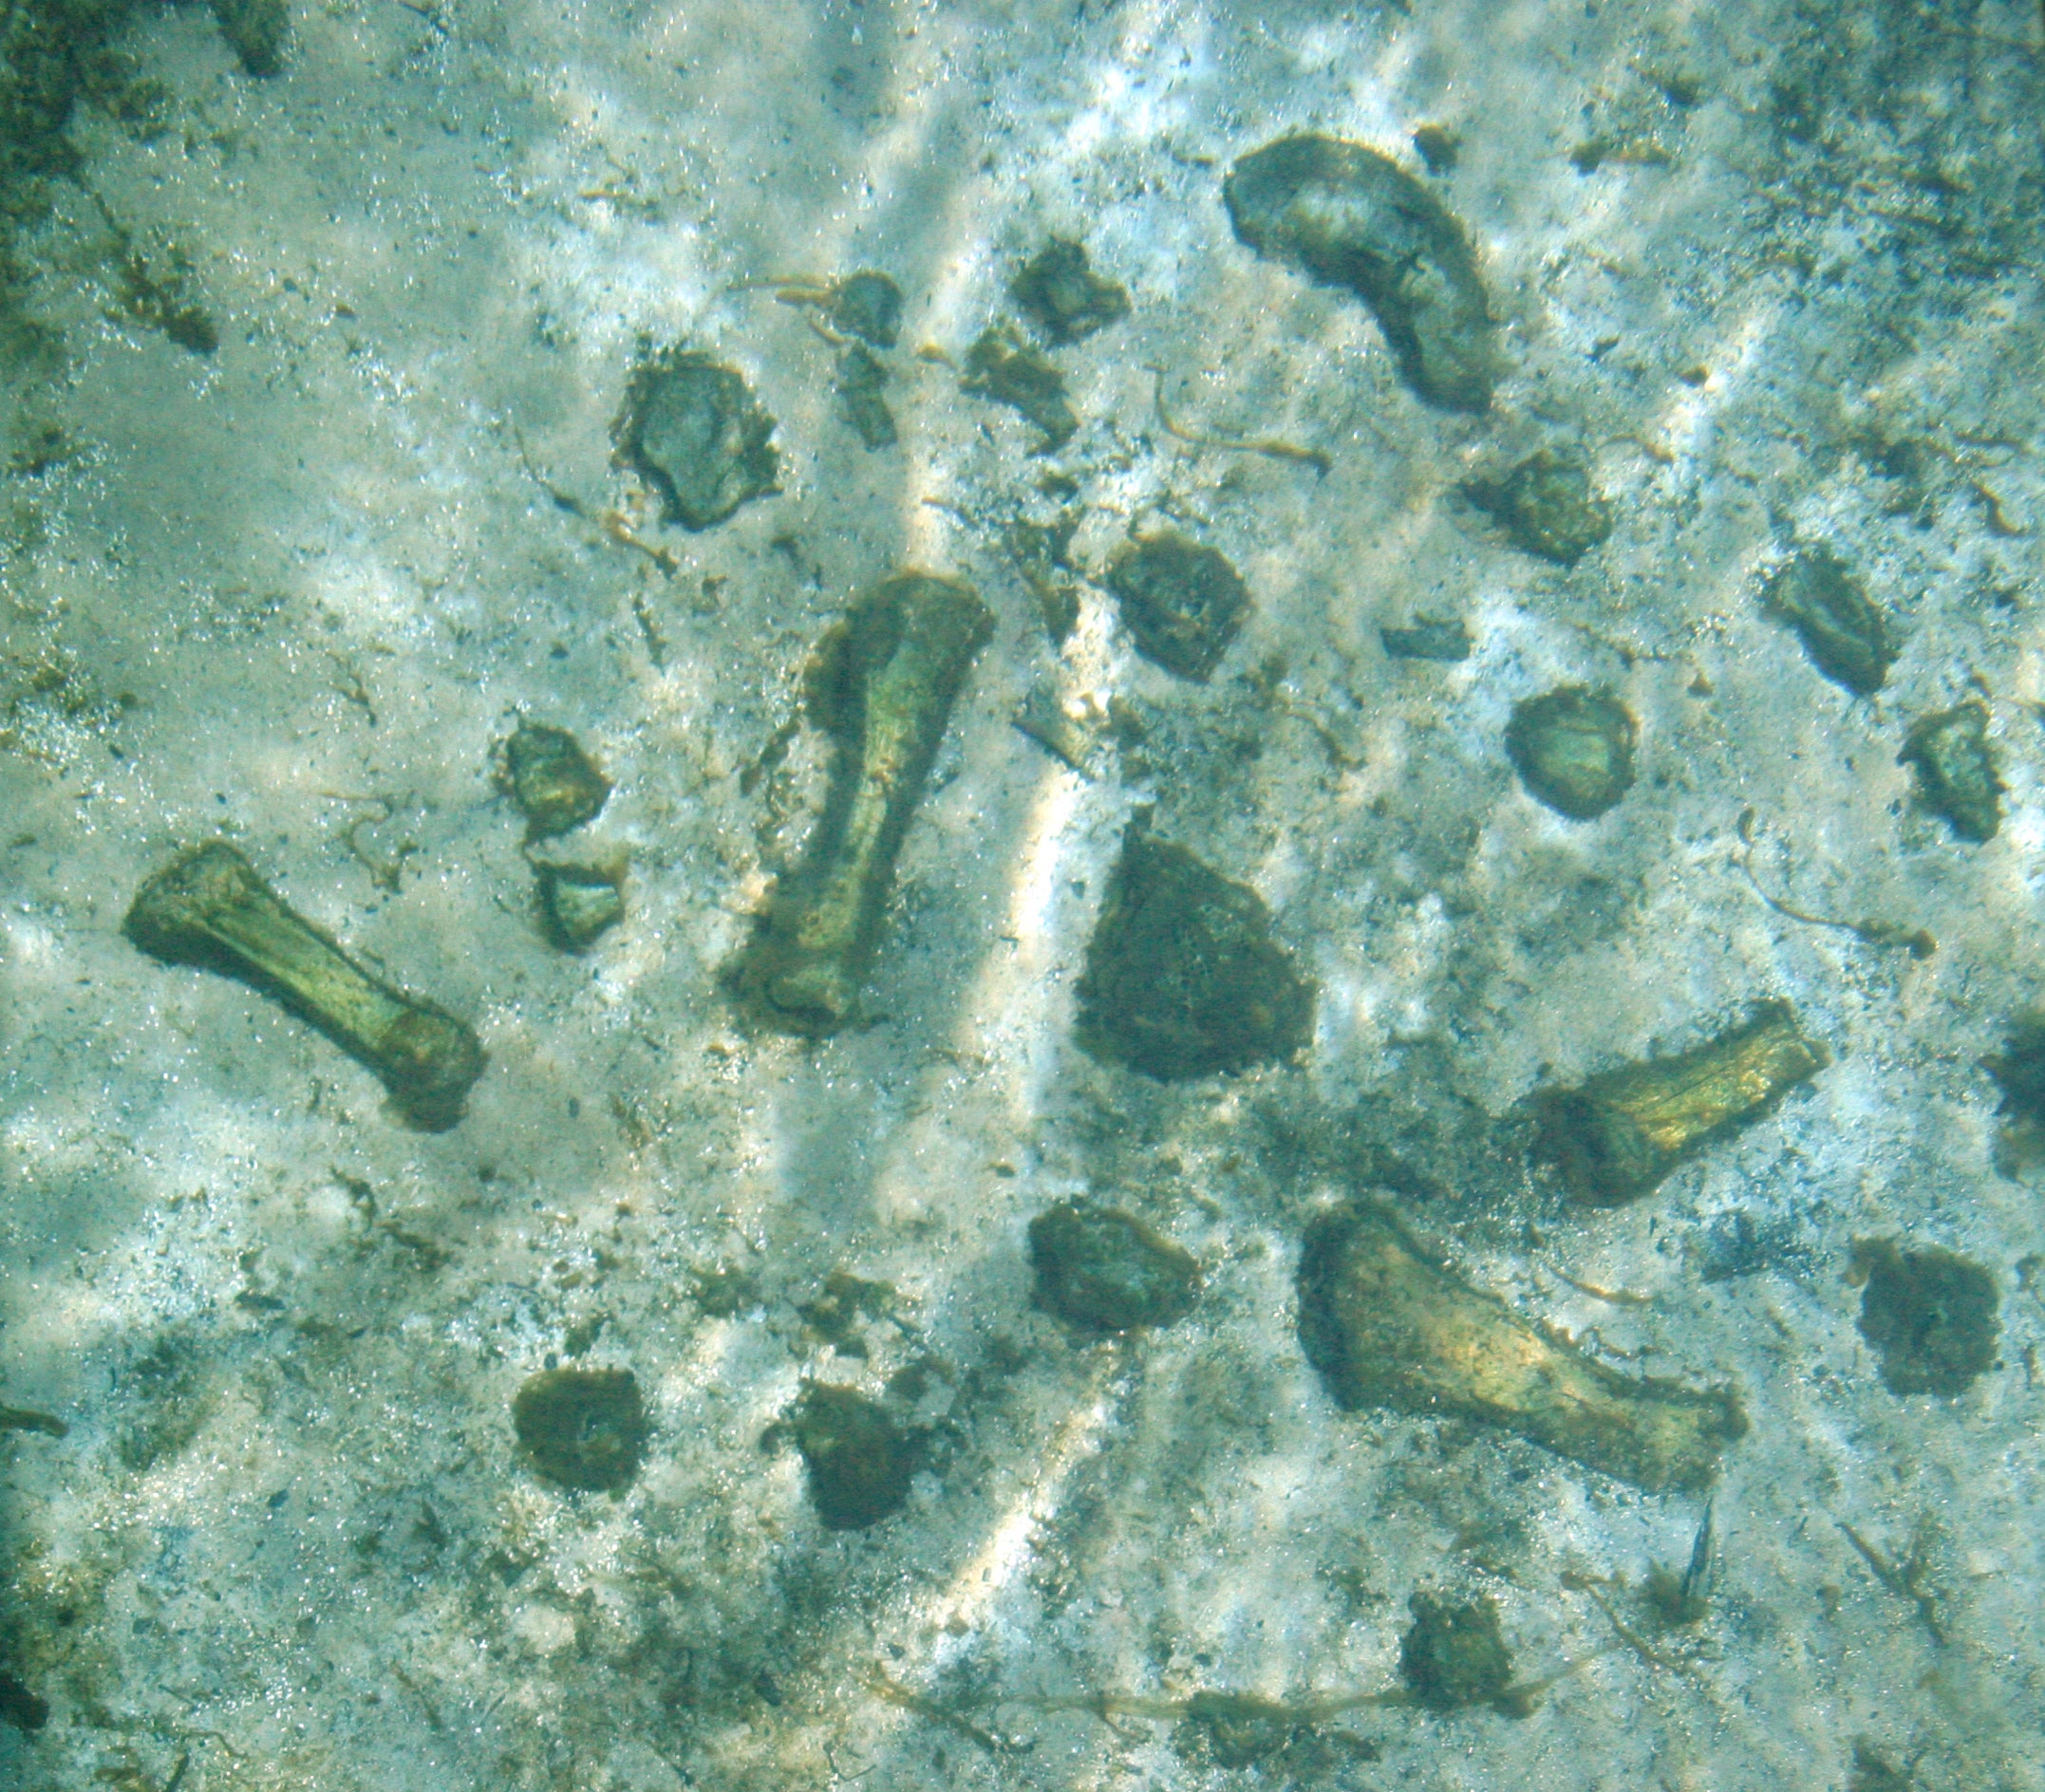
<point x="1932" y="1317"/>
<point x="584" y="1428"/>
<point x="1955" y="772"/>
<point x="553" y="782"/>
<point x="1183" y="976"/>
<point x="1455" y="1656"/>
<point x="1001" y="367"/>
<point x="1182" y="602"/>
<point x="1573" y="749"/>
<point x="1845" y="635"/>
<point x="695" y="431"/>
<point x="1061" y="296"/>
<point x="579" y="904"/>
<point x="1347" y="216"/>
<point x="1547" y="506"/>
<point x="1428" y="638"/>
<point x="860" y="391"/>
<point x="1107" y="1270"/>
<point x="860" y="1460"/>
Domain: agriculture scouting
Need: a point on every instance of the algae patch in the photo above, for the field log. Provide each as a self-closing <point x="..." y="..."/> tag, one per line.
<point x="1930" y="1314"/>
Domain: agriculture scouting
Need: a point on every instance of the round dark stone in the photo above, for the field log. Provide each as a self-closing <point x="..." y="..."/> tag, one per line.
<point x="699" y="436"/>
<point x="1573" y="749"/>
<point x="861" y="1462"/>
<point x="1106" y="1269"/>
<point x="584" y="1428"/>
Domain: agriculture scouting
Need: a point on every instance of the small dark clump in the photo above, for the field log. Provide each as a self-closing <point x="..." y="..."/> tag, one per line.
<point x="1438" y="146"/>
<point x="1930" y="1314"/>
<point x="579" y="904"/>
<point x="584" y="1428"/>
<point x="2020" y="1072"/>
<point x="869" y="305"/>
<point x="1573" y="749"/>
<point x="861" y="384"/>
<point x="1000" y="365"/>
<point x="1183" y="978"/>
<point x="1428" y="638"/>
<point x="554" y="783"/>
<point x="1182" y="603"/>
<point x="861" y="1462"/>
<point x="256" y="29"/>
<point x="1874" y="1772"/>
<point x="1347" y="216"/>
<point x="1956" y="770"/>
<point x="1843" y="632"/>
<point x="19" y="1706"/>
<point x="1456" y="1656"/>
<point x="1547" y="506"/>
<point x="1105" y="1269"/>
<point x="1060" y="293"/>
<point x="696" y="433"/>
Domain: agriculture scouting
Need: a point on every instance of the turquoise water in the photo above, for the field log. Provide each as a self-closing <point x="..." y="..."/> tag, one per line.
<point x="894" y="1304"/>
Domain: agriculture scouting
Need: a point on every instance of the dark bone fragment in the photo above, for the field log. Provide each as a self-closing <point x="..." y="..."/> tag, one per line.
<point x="882" y="686"/>
<point x="1818" y="596"/>
<point x="1956" y="770"/>
<point x="1349" y="218"/>
<point x="209" y="909"/>
<point x="1620" y="1134"/>
<point x="1388" y="1326"/>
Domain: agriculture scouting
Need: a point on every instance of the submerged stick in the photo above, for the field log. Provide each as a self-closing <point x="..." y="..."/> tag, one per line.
<point x="209" y="909"/>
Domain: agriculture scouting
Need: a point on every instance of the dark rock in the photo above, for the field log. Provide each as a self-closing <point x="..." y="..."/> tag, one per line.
<point x="1103" y="1268"/>
<point x="1547" y="506"/>
<point x="861" y="382"/>
<point x="1956" y="770"/>
<point x="1428" y="638"/>
<point x="869" y="305"/>
<point x="1060" y="293"/>
<point x="579" y="904"/>
<point x="1438" y="147"/>
<point x="1456" y="1656"/>
<point x="1930" y="1314"/>
<point x="1004" y="367"/>
<point x="584" y="1428"/>
<point x="257" y="31"/>
<point x="2020" y="1072"/>
<point x="24" y="1709"/>
<point x="1183" y="978"/>
<point x="1573" y="749"/>
<point x="694" y="431"/>
<point x="1349" y="218"/>
<point x="1182" y="603"/>
<point x="1843" y="632"/>
<point x="860" y="1463"/>
<point x="554" y="783"/>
